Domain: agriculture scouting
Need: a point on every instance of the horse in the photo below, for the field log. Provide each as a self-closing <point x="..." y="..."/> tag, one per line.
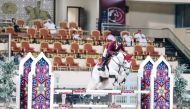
<point x="118" y="67"/>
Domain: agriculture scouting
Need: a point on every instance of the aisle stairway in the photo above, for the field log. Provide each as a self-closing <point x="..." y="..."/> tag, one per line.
<point x="181" y="45"/>
<point x="172" y="50"/>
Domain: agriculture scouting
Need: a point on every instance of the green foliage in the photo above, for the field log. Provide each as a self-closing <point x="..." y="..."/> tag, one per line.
<point x="9" y="8"/>
<point x="7" y="85"/>
<point x="180" y="84"/>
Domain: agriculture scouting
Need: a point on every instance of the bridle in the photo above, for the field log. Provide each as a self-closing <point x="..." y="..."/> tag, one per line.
<point x="120" y="65"/>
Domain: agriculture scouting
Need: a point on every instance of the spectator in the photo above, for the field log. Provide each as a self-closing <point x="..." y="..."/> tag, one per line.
<point x="128" y="38"/>
<point x="49" y="24"/>
<point x="15" y="26"/>
<point x="17" y="58"/>
<point x="110" y="37"/>
<point x="76" y="36"/>
<point x="140" y="38"/>
<point x="1" y="57"/>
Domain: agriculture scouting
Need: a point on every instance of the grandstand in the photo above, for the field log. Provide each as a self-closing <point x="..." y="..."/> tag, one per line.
<point x="163" y="22"/>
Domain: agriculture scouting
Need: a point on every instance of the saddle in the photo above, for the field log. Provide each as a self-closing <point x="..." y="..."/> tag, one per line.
<point x="100" y="63"/>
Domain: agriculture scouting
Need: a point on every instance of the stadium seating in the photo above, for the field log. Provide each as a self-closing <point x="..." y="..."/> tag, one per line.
<point x="73" y="25"/>
<point x="138" y="50"/>
<point x="134" y="66"/>
<point x="62" y="34"/>
<point x="14" y="47"/>
<point x="20" y="22"/>
<point x="31" y="32"/>
<point x="63" y="25"/>
<point x="88" y="49"/>
<point x="45" y="48"/>
<point x="58" y="64"/>
<point x="11" y="30"/>
<point x="150" y="51"/>
<point x="75" y="48"/>
<point x="106" y="33"/>
<point x="38" y="24"/>
<point x="122" y="33"/>
<point x="90" y="63"/>
<point x="26" y="47"/>
<point x="58" y="49"/>
<point x="72" y="65"/>
<point x="44" y="33"/>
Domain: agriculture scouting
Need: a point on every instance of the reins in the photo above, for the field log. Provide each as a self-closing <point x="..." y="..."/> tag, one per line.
<point x="120" y="65"/>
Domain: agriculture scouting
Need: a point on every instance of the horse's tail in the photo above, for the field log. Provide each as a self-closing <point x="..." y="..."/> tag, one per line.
<point x="93" y="79"/>
<point x="91" y="71"/>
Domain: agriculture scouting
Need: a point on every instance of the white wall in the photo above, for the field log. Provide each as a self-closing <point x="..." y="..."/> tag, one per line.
<point x="90" y="6"/>
<point x="150" y="15"/>
<point x="61" y="8"/>
<point x="93" y="13"/>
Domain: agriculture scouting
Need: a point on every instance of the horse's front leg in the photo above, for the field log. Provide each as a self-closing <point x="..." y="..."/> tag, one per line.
<point x="103" y="84"/>
<point x="92" y="85"/>
<point x="123" y="81"/>
<point x="115" y="81"/>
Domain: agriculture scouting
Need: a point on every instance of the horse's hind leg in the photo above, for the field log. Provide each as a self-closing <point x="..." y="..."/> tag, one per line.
<point x="103" y="84"/>
<point x="92" y="85"/>
<point x="115" y="81"/>
<point x="122" y="82"/>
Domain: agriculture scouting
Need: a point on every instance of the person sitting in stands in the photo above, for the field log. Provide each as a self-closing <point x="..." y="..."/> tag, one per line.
<point x="17" y="58"/>
<point x="15" y="26"/>
<point x="49" y="24"/>
<point x="111" y="49"/>
<point x="128" y="38"/>
<point x="76" y="36"/>
<point x="140" y="38"/>
<point x="110" y="37"/>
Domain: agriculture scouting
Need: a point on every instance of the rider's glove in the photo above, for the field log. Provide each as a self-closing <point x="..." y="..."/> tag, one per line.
<point x="115" y="53"/>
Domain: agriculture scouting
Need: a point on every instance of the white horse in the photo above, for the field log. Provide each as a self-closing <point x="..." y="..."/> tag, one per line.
<point x="118" y="67"/>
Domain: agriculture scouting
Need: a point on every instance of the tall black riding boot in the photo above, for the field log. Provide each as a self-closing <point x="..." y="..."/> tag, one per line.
<point x="104" y="62"/>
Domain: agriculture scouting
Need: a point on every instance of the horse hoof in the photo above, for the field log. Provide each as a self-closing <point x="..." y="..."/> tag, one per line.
<point x="120" y="84"/>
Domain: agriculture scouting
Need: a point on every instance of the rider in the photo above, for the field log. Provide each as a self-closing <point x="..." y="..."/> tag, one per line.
<point x="111" y="49"/>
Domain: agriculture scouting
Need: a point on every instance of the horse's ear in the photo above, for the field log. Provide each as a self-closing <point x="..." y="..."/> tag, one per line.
<point x="128" y="57"/>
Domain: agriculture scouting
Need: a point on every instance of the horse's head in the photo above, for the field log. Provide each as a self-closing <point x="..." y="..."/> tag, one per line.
<point x="126" y="62"/>
<point x="123" y="60"/>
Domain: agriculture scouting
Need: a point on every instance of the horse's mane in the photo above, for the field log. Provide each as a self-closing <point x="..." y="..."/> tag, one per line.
<point x="126" y="56"/>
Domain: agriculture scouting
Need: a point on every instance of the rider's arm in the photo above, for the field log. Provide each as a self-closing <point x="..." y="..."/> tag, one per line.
<point x="122" y="48"/>
<point x="110" y="46"/>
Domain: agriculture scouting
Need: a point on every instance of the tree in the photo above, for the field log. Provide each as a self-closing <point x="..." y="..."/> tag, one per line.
<point x="7" y="85"/>
<point x="180" y="84"/>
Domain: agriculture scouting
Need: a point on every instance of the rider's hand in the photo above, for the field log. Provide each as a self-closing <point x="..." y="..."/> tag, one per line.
<point x="115" y="53"/>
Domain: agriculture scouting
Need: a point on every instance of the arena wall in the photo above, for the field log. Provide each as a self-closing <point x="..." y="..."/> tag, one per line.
<point x="150" y="15"/>
<point x="90" y="6"/>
